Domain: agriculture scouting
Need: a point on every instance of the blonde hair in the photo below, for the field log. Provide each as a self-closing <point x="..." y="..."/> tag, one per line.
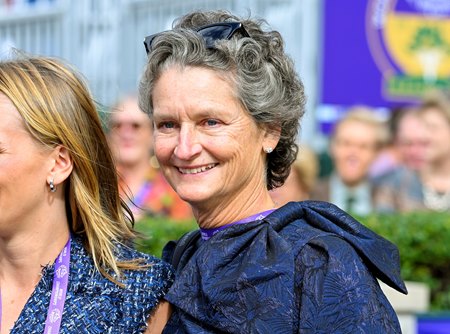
<point x="58" y="109"/>
<point x="366" y="115"/>
<point x="307" y="167"/>
<point x="436" y="99"/>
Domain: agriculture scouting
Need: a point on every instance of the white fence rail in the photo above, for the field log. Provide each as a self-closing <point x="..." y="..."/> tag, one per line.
<point x="103" y="38"/>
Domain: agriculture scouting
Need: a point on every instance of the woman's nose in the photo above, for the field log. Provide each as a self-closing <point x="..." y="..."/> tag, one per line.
<point x="188" y="146"/>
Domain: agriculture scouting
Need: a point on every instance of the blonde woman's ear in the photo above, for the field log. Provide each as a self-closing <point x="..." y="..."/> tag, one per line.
<point x="62" y="165"/>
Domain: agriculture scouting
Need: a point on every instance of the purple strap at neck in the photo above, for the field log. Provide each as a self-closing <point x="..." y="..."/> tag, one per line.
<point x="209" y="232"/>
<point x="59" y="290"/>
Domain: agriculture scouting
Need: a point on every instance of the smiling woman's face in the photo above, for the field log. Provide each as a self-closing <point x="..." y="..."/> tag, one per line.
<point x="209" y="148"/>
<point x="24" y="167"/>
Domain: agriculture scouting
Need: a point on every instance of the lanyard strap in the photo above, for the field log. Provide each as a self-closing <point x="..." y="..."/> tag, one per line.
<point x="59" y="291"/>
<point x="209" y="232"/>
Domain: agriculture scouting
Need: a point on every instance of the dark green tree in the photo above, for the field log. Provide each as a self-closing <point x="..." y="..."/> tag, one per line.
<point x="427" y="38"/>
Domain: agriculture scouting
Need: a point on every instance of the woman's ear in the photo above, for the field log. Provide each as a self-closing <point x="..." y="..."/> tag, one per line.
<point x="271" y="138"/>
<point x="62" y="165"/>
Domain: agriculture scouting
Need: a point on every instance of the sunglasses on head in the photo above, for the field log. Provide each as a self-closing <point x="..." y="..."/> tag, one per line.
<point x="210" y="33"/>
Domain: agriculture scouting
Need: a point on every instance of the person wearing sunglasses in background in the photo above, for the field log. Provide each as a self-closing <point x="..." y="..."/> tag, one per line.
<point x="65" y="263"/>
<point x="141" y="183"/>
<point x="226" y="104"/>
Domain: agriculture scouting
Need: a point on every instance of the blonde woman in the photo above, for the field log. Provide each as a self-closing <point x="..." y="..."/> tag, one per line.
<point x="65" y="264"/>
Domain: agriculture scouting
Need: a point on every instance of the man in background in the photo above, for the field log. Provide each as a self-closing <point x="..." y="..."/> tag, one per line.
<point x="355" y="143"/>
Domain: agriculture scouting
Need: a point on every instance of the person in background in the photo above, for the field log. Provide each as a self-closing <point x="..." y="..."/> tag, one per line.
<point x="387" y="158"/>
<point x="226" y="103"/>
<point x="400" y="189"/>
<point x="408" y="144"/>
<point x="65" y="263"/>
<point x="412" y="140"/>
<point x="355" y="143"/>
<point x="422" y="186"/>
<point x="435" y="176"/>
<point x="301" y="179"/>
<point x="130" y="136"/>
<point x="435" y="112"/>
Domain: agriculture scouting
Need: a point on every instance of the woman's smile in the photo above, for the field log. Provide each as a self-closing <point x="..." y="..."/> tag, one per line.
<point x="196" y="170"/>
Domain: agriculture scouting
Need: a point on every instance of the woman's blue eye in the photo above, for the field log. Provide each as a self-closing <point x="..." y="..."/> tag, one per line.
<point x="168" y="125"/>
<point x="211" y="122"/>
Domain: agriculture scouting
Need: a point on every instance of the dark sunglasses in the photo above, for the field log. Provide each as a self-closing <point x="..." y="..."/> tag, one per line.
<point x="210" y="33"/>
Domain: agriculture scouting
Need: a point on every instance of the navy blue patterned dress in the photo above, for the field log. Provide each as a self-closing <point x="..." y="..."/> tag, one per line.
<point x="93" y="303"/>
<point x="306" y="268"/>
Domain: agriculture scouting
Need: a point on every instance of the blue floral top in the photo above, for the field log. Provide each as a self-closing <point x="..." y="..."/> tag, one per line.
<point x="308" y="267"/>
<point x="93" y="303"/>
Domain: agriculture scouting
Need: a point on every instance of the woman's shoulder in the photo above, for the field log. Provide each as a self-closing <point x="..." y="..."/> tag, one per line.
<point x="138" y="266"/>
<point x="125" y="306"/>
<point x="322" y="229"/>
<point x="96" y="304"/>
<point x="341" y="291"/>
<point x="311" y="244"/>
<point x="329" y="249"/>
<point x="152" y="272"/>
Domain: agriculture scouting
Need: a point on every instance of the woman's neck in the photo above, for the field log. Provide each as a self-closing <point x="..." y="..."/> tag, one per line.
<point x="27" y="243"/>
<point x="233" y="210"/>
<point x="21" y="260"/>
<point x="23" y="254"/>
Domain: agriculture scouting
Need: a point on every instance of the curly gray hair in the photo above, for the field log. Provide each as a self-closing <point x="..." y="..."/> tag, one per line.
<point x="264" y="75"/>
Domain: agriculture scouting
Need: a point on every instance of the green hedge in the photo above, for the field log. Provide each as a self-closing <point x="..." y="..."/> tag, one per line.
<point x="156" y="232"/>
<point x="424" y="243"/>
<point x="423" y="240"/>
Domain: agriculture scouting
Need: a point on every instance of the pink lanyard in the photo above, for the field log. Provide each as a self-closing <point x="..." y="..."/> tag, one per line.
<point x="59" y="291"/>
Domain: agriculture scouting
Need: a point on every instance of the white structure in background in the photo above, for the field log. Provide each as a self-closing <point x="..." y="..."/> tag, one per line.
<point x="103" y="38"/>
<point x="407" y="306"/>
<point x="5" y="48"/>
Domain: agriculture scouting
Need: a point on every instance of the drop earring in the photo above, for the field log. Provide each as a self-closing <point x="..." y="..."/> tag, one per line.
<point x="52" y="186"/>
<point x="268" y="150"/>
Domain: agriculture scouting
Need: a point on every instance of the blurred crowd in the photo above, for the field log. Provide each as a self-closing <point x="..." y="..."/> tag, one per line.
<point x="377" y="166"/>
<point x="142" y="184"/>
<point x="398" y="165"/>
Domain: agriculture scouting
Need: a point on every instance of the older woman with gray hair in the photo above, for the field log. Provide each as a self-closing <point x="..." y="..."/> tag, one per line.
<point x="226" y="104"/>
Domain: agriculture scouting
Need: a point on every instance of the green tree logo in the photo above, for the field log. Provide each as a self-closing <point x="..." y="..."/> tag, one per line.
<point x="430" y="48"/>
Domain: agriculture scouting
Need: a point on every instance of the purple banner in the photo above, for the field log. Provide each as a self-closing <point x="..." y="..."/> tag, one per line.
<point x="384" y="53"/>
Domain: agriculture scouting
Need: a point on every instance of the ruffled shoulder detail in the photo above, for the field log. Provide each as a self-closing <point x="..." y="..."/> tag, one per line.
<point x="246" y="278"/>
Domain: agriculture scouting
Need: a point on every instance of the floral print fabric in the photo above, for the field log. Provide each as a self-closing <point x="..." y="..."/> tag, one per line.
<point x="308" y="267"/>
